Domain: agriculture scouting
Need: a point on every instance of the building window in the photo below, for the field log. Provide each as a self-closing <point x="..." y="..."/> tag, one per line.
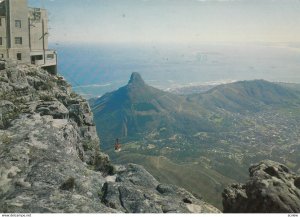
<point x="18" y="23"/>
<point x="0" y="21"/>
<point x="1" y="42"/>
<point x="18" y="40"/>
<point x="35" y="14"/>
<point x="50" y="56"/>
<point x="19" y="56"/>
<point x="39" y="57"/>
<point x="2" y="55"/>
<point x="36" y="58"/>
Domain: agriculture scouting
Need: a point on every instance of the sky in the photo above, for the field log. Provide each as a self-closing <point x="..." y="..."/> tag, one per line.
<point x="168" y="21"/>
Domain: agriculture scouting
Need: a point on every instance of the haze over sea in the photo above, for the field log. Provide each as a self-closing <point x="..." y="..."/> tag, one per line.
<point x="94" y="69"/>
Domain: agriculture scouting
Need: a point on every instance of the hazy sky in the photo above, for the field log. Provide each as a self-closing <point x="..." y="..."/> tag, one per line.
<point x="173" y="20"/>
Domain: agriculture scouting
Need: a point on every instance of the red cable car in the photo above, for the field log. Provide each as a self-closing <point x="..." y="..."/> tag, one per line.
<point x="117" y="146"/>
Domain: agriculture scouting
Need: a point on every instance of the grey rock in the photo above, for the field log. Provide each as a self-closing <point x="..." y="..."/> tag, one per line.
<point x="111" y="196"/>
<point x="10" y="63"/>
<point x="167" y="189"/>
<point x="272" y="188"/>
<point x="39" y="153"/>
<point x="54" y="108"/>
<point x="8" y="111"/>
<point x="137" y="191"/>
<point x="42" y="149"/>
<point x="137" y="175"/>
<point x="136" y="200"/>
<point x="2" y="65"/>
<point x="297" y="182"/>
<point x="81" y="113"/>
<point x="6" y="107"/>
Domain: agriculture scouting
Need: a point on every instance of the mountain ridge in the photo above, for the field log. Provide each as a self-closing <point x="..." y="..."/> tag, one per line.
<point x="250" y="94"/>
<point x="137" y="100"/>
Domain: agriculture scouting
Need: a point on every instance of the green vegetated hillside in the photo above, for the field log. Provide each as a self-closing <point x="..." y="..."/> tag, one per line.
<point x="201" y="181"/>
<point x="248" y="96"/>
<point x="202" y="141"/>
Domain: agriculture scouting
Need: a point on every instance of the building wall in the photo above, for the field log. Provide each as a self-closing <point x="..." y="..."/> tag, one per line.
<point x="3" y="37"/>
<point x="38" y="29"/>
<point x="18" y="11"/>
<point x="25" y="54"/>
<point x="51" y="58"/>
<point x="24" y="34"/>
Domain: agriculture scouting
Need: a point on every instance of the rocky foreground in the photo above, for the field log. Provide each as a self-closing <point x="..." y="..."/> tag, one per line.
<point x="50" y="160"/>
<point x="272" y="188"/>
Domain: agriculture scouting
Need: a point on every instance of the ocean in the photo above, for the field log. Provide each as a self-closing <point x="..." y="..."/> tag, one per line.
<point x="94" y="69"/>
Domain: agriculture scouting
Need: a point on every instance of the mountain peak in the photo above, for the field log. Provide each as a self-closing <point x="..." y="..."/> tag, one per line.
<point x="136" y="78"/>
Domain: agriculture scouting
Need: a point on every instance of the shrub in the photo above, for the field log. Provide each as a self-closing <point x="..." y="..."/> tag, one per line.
<point x="48" y="85"/>
<point x="89" y="145"/>
<point x="74" y="95"/>
<point x="103" y="164"/>
<point x="68" y="185"/>
<point x="46" y="98"/>
<point x="5" y="139"/>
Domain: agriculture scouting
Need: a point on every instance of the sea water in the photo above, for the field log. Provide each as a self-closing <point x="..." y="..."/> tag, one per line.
<point x="94" y="69"/>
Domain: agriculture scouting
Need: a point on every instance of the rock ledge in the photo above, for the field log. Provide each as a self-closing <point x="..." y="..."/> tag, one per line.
<point x="272" y="188"/>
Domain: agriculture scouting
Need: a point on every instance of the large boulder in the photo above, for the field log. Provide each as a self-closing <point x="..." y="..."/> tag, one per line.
<point x="46" y="159"/>
<point x="272" y="188"/>
<point x="7" y="111"/>
<point x="134" y="190"/>
<point x="53" y="108"/>
<point x="81" y="113"/>
<point x="2" y="65"/>
<point x="39" y="156"/>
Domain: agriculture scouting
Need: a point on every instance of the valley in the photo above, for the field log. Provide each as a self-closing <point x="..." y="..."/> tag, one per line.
<point x="201" y="141"/>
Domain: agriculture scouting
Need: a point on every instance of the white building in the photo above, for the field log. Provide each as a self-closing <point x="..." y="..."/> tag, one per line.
<point x="24" y="35"/>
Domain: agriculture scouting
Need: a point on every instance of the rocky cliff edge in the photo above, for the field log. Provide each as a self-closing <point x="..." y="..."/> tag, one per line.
<point x="271" y="188"/>
<point x="50" y="160"/>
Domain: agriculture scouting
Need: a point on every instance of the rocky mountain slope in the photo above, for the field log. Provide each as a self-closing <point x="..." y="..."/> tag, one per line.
<point x="50" y="160"/>
<point x="136" y="109"/>
<point x="215" y="136"/>
<point x="272" y="188"/>
<point x="247" y="96"/>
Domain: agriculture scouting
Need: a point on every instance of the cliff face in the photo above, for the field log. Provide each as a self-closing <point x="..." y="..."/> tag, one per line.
<point x="50" y="159"/>
<point x="272" y="188"/>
